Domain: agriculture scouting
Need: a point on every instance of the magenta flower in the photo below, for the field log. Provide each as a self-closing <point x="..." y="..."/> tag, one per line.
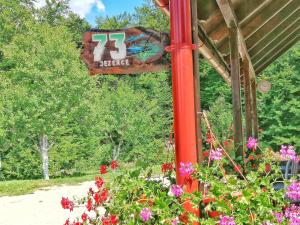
<point x="279" y="216"/>
<point x="293" y="191"/>
<point x="216" y="154"/>
<point x="293" y="214"/>
<point x="176" y="190"/>
<point x="175" y="221"/>
<point x="145" y="214"/>
<point x="226" y="220"/>
<point x="186" y="169"/>
<point x="252" y="143"/>
<point x="288" y="152"/>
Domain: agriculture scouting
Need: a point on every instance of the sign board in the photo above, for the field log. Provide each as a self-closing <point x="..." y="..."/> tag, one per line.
<point x="127" y="51"/>
<point x="264" y="86"/>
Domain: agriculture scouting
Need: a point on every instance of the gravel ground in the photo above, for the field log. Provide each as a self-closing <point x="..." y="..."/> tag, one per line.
<point x="42" y="207"/>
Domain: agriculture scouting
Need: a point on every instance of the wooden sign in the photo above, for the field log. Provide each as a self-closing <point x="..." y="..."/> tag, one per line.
<point x="128" y="51"/>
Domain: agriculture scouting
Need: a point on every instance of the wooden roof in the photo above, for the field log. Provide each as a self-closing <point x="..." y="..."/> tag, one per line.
<point x="266" y="28"/>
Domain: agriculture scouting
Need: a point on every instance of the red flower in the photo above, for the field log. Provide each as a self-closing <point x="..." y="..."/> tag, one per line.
<point x="114" y="219"/>
<point x="84" y="217"/>
<point x="105" y="221"/>
<point x="104" y="194"/>
<point x="166" y="167"/>
<point x="89" y="205"/>
<point x="103" y="169"/>
<point x="114" y="165"/>
<point x="205" y="154"/>
<point x="268" y="168"/>
<point x="251" y="157"/>
<point x="67" y="204"/>
<point x="91" y="192"/>
<point x="97" y="198"/>
<point x="67" y="222"/>
<point x="209" y="138"/>
<point x="77" y="223"/>
<point x="99" y="182"/>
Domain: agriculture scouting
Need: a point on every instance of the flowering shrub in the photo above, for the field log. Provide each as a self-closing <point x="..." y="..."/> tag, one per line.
<point x="227" y="197"/>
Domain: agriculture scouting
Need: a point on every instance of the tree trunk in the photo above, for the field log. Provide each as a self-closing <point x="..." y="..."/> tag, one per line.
<point x="44" y="148"/>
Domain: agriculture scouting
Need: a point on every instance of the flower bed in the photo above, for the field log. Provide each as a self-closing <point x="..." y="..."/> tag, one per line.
<point x="230" y="193"/>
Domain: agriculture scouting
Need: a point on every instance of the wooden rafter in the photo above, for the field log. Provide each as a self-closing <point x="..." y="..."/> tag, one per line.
<point x="232" y="22"/>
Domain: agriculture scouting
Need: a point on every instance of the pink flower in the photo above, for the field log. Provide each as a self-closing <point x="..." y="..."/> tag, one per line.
<point x="226" y="220"/>
<point x="175" y="221"/>
<point x="67" y="204"/>
<point x="293" y="214"/>
<point x="279" y="217"/>
<point x="216" y="154"/>
<point x="67" y="222"/>
<point x="145" y="214"/>
<point x="288" y="152"/>
<point x="177" y="190"/>
<point x="186" y="169"/>
<point x="293" y="191"/>
<point x="252" y="143"/>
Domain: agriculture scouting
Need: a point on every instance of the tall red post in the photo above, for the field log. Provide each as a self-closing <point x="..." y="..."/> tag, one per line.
<point x="183" y="86"/>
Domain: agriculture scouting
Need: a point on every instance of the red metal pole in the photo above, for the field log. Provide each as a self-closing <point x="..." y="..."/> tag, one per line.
<point x="183" y="86"/>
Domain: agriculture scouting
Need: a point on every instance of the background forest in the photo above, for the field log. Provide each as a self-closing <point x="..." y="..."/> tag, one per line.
<point x="46" y="92"/>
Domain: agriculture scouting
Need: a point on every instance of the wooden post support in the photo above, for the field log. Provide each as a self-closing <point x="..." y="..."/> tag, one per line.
<point x="197" y="80"/>
<point x="236" y="90"/>
<point x="248" y="105"/>
<point x="254" y="108"/>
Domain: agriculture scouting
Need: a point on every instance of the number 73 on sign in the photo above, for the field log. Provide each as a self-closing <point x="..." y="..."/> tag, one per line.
<point x="102" y="39"/>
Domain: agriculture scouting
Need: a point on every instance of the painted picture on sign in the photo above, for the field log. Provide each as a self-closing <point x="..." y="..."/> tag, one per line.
<point x="128" y="51"/>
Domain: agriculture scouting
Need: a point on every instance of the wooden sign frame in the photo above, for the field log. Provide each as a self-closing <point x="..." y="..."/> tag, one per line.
<point x="125" y="51"/>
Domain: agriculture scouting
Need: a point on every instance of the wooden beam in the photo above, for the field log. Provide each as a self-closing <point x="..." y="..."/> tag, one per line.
<point x="272" y="57"/>
<point x="248" y="104"/>
<point x="232" y="22"/>
<point x="236" y="91"/>
<point x="271" y="49"/>
<point x="254" y="108"/>
<point x="277" y="11"/>
<point x="197" y="81"/>
<point x="262" y="37"/>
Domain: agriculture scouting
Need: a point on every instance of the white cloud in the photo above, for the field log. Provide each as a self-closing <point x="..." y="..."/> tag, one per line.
<point x="81" y="7"/>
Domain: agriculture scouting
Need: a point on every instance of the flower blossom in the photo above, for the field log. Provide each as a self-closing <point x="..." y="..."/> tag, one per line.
<point x="176" y="190"/>
<point x="186" y="169"/>
<point x="216" y="154"/>
<point x="145" y="214"/>
<point x="293" y="214"/>
<point x="226" y="220"/>
<point x="166" y="167"/>
<point x="114" y="165"/>
<point x="84" y="217"/>
<point x="89" y="205"/>
<point x="67" y="222"/>
<point x="293" y="191"/>
<point x="279" y="216"/>
<point x="103" y="169"/>
<point x="252" y="143"/>
<point x="114" y="219"/>
<point x="288" y="152"/>
<point x="175" y="221"/>
<point x="99" y="182"/>
<point x="67" y="204"/>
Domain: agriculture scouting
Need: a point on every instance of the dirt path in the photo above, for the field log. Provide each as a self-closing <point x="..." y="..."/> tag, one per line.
<point x="42" y="207"/>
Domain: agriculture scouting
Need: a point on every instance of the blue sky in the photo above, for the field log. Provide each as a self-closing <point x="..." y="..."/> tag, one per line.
<point x="112" y="7"/>
<point x="91" y="9"/>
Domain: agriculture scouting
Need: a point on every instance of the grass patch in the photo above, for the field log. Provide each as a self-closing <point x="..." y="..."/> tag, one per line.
<point x="21" y="187"/>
